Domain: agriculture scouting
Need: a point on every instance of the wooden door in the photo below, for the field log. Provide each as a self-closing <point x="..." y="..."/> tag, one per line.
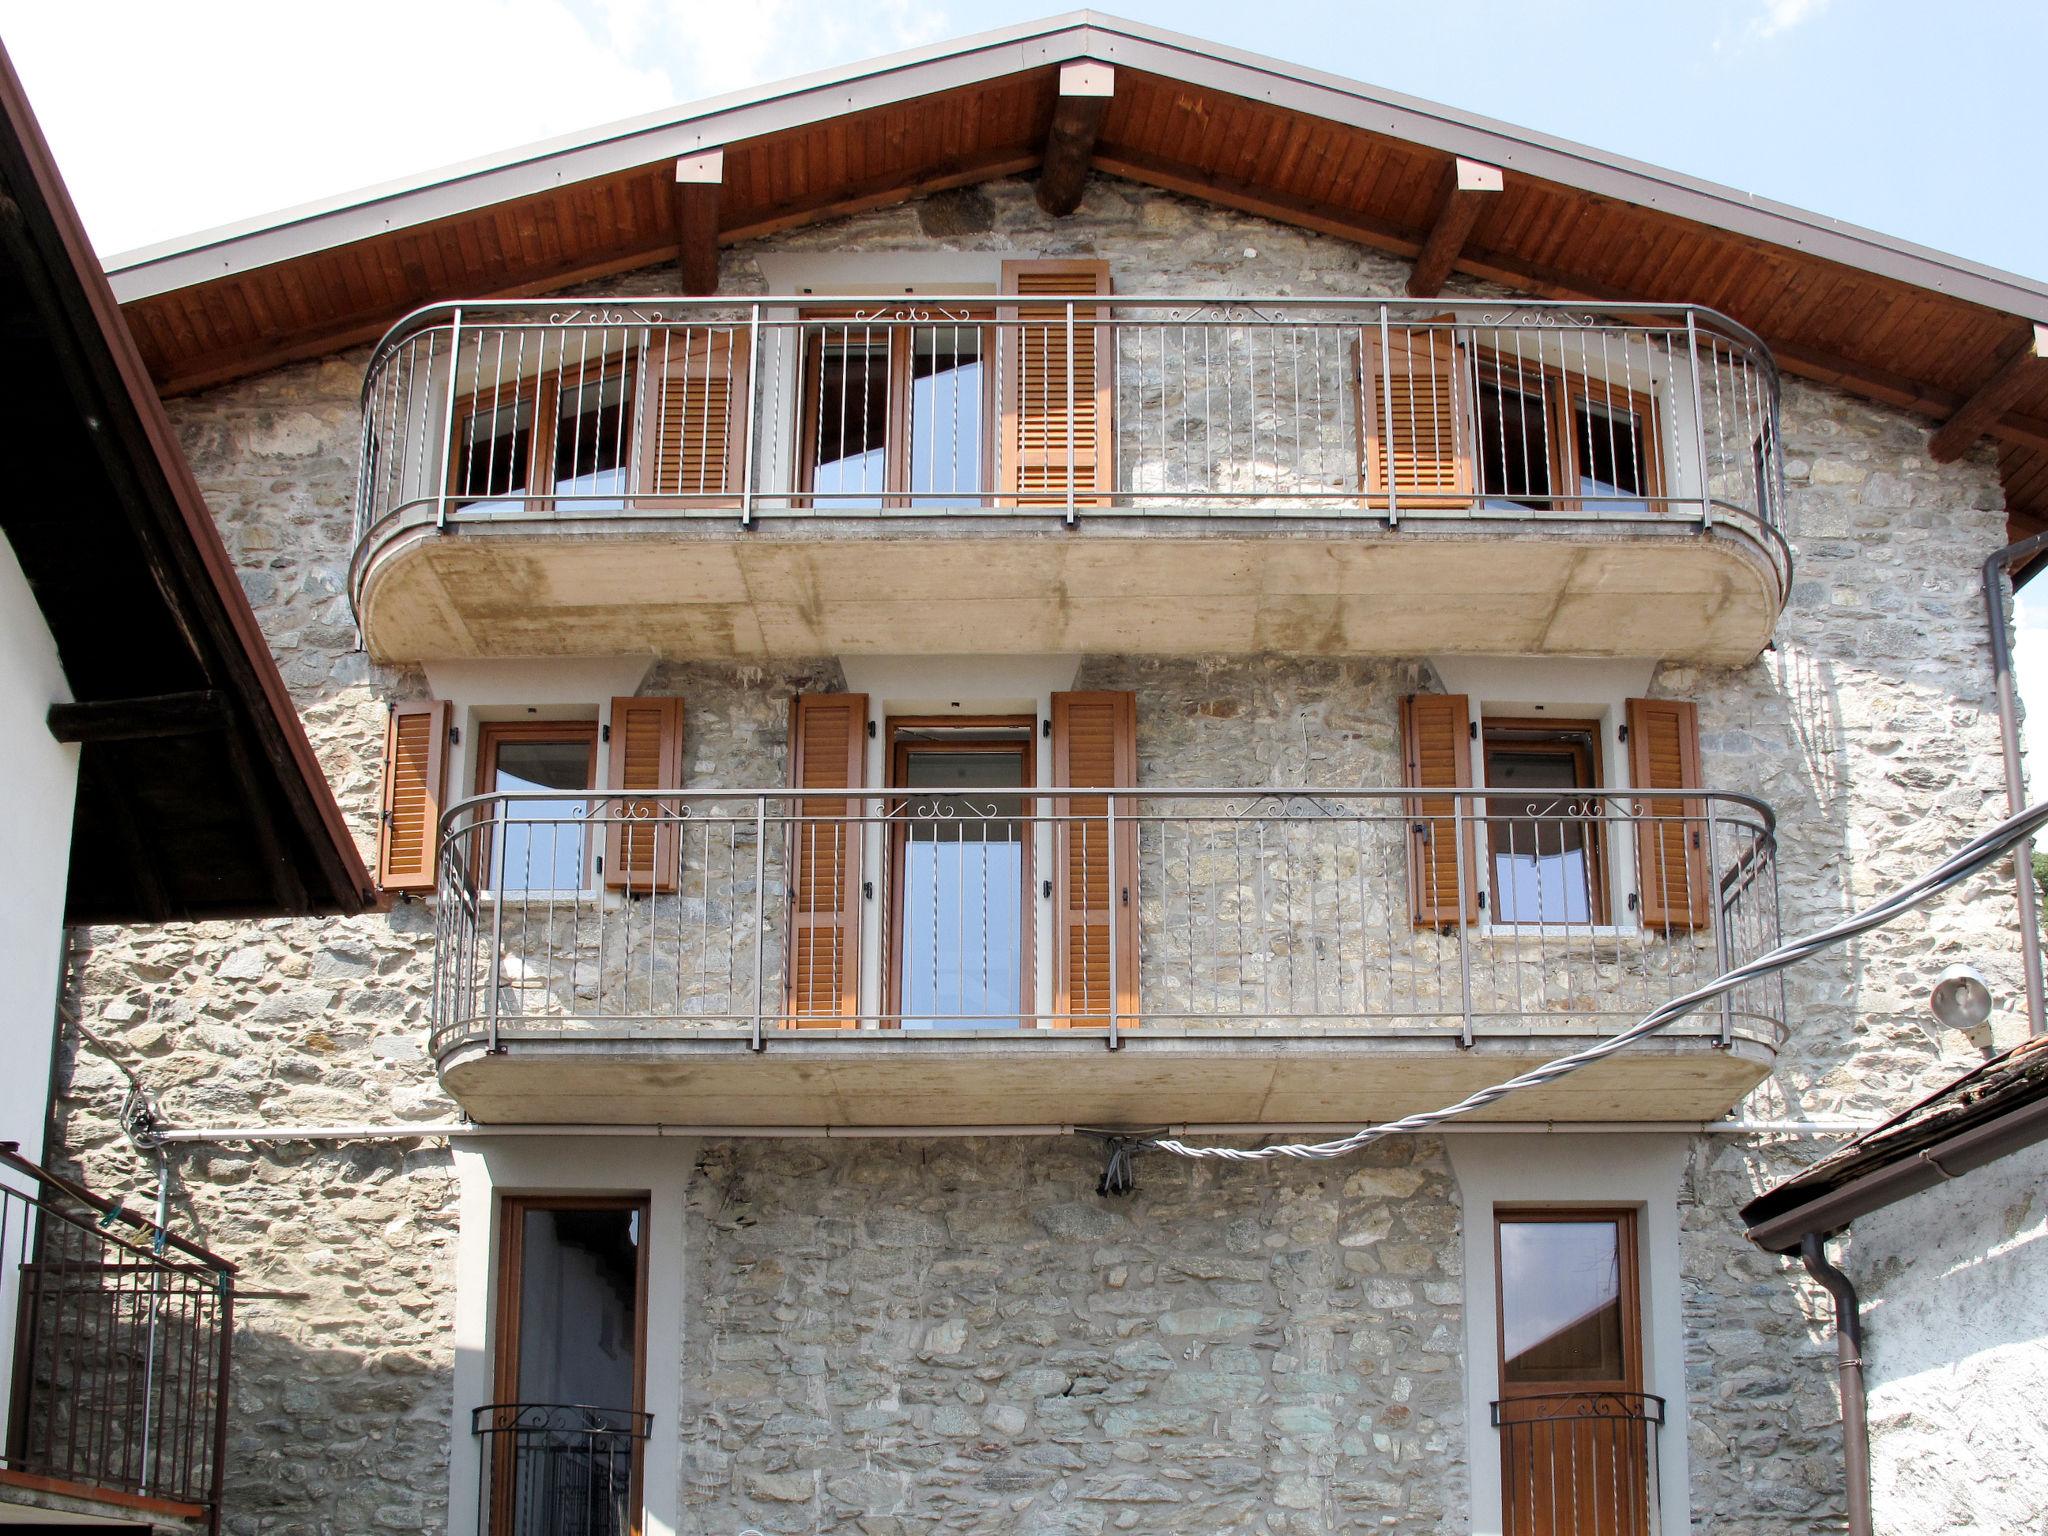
<point x="1577" y="1432"/>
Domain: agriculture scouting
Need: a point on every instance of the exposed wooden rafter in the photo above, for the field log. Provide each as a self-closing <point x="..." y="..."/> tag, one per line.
<point x="700" y="183"/>
<point x="1085" y="91"/>
<point x="1981" y="412"/>
<point x="139" y="719"/>
<point x="1466" y="186"/>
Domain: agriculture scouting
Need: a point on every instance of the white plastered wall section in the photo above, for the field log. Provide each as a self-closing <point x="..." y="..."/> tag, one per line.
<point x="487" y="1171"/>
<point x="1640" y="1172"/>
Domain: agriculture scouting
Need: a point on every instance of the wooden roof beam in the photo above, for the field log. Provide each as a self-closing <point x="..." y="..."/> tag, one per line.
<point x="1981" y="412"/>
<point x="1085" y="91"/>
<point x="700" y="180"/>
<point x="1466" y="186"/>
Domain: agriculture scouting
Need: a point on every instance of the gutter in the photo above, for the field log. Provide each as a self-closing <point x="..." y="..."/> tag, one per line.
<point x="1813" y="1253"/>
<point x="1998" y="616"/>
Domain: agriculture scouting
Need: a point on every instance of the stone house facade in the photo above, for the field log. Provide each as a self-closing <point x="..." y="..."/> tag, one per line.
<point x="879" y="1292"/>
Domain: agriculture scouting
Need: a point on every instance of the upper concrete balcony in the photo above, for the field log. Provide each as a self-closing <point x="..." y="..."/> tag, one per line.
<point x="793" y="477"/>
<point x="1053" y="956"/>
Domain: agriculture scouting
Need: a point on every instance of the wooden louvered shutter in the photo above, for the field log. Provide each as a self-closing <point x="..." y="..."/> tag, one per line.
<point x="415" y="785"/>
<point x="643" y="841"/>
<point x="1672" y="857"/>
<point x="695" y="419"/>
<point x="1048" y="427"/>
<point x="1436" y="730"/>
<point x="827" y="750"/>
<point x="1417" y="417"/>
<point x="1095" y="746"/>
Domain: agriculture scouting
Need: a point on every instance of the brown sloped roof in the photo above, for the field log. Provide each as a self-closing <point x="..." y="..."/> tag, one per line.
<point x="1885" y="319"/>
<point x="198" y="793"/>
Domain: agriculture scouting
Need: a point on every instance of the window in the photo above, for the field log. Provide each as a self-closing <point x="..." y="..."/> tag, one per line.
<point x="563" y="1441"/>
<point x="1566" y="439"/>
<point x="1566" y="1279"/>
<point x="541" y="842"/>
<point x="565" y="436"/>
<point x="896" y="412"/>
<point x="962" y="865"/>
<point x="1545" y="851"/>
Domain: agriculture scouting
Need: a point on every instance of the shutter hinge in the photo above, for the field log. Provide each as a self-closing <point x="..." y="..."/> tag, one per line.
<point x="604" y="732"/>
<point x="1635" y="901"/>
<point x="871" y="730"/>
<point x="1621" y="734"/>
<point x="1482" y="901"/>
<point x="867" y="889"/>
<point x="1127" y="895"/>
<point x="1045" y="888"/>
<point x="598" y="860"/>
<point x="455" y="735"/>
<point x="1472" y="729"/>
<point x="1045" y="728"/>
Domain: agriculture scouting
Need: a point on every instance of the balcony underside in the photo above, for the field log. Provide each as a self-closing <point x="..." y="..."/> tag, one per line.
<point x="871" y="1079"/>
<point x="1152" y="584"/>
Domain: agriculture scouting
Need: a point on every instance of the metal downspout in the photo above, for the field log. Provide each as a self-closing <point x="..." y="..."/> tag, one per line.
<point x="1997" y="617"/>
<point x="1813" y="1254"/>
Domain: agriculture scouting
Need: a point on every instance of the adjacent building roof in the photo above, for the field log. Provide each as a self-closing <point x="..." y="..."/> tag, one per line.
<point x="1895" y="322"/>
<point x="1983" y="1115"/>
<point x="198" y="793"/>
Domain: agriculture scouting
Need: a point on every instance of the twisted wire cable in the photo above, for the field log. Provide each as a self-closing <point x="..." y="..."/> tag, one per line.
<point x="1984" y="849"/>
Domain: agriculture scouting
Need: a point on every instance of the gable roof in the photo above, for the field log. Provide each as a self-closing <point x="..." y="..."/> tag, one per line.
<point x="1884" y="318"/>
<point x="198" y="794"/>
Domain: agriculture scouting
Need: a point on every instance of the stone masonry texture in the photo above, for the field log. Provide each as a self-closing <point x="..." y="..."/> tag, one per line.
<point x="902" y="1337"/>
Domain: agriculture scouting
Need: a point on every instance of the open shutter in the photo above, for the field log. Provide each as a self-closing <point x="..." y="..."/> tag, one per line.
<point x="415" y="786"/>
<point x="1436" y="731"/>
<point x="1416" y="414"/>
<point x="643" y="839"/>
<point x="1056" y="405"/>
<point x="1672" y="857"/>
<point x="827" y="750"/>
<point x="695" y="420"/>
<point x="1095" y="746"/>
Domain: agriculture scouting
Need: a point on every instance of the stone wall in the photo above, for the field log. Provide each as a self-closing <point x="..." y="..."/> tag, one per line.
<point x="1869" y="727"/>
<point x="904" y="1337"/>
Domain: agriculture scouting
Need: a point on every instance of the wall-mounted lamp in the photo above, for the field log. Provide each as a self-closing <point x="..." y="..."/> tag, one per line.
<point x="1961" y="999"/>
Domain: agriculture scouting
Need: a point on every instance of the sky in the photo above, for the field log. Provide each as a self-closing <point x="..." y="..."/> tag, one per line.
<point x="1918" y="121"/>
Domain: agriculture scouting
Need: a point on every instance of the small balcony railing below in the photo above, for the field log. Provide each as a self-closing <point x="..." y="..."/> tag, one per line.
<point x="120" y="1361"/>
<point x="1579" y="1463"/>
<point x="556" y="1469"/>
<point x="680" y="913"/>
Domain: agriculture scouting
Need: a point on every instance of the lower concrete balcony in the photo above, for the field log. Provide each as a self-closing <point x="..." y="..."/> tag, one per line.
<point x="1053" y="956"/>
<point x="782" y="477"/>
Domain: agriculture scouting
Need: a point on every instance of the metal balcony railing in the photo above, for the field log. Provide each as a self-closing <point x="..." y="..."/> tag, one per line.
<point x="615" y="413"/>
<point x="673" y="913"/>
<point x="1579" y="1462"/>
<point x="119" y="1370"/>
<point x="555" y="1469"/>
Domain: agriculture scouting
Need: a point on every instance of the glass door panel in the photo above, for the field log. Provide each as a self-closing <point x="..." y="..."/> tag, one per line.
<point x="961" y="955"/>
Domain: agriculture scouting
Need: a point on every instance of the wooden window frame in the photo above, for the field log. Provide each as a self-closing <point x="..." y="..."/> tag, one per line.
<point x="1026" y="748"/>
<point x="815" y="326"/>
<point x="1628" y="1236"/>
<point x="1587" y="757"/>
<point x="490" y="735"/>
<point x="507" y="1320"/>
<point x="1561" y="392"/>
<point x="545" y="390"/>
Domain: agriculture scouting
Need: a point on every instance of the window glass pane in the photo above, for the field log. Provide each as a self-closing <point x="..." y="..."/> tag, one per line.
<point x="579" y="1281"/>
<point x="1561" y="1302"/>
<point x="850" y="447"/>
<point x="543" y="839"/>
<point x="592" y="428"/>
<point x="1514" y="443"/>
<point x="1611" y="455"/>
<point x="946" y="376"/>
<point x="1541" y="844"/>
<point x="963" y="876"/>
<point x="494" y="452"/>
